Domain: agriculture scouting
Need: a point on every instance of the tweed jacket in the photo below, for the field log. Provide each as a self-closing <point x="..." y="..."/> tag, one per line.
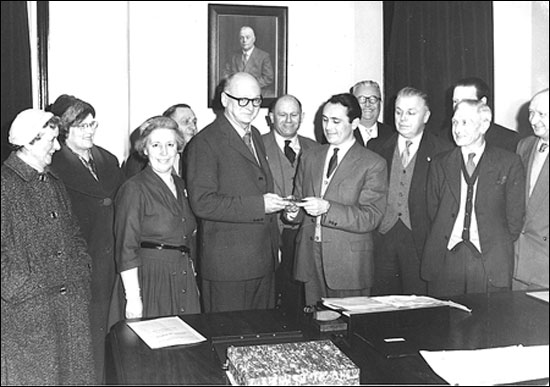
<point x="357" y="196"/>
<point x="45" y="282"/>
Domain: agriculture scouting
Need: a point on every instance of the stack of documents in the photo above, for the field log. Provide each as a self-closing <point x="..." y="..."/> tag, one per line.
<point x="490" y="366"/>
<point x="165" y="332"/>
<point x="359" y="305"/>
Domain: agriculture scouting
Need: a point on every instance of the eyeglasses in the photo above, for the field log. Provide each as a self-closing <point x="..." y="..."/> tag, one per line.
<point x="372" y="99"/>
<point x="90" y="125"/>
<point x="244" y="101"/>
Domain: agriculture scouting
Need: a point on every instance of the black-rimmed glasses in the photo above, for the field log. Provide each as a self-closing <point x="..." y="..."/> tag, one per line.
<point x="243" y="101"/>
<point x="372" y="99"/>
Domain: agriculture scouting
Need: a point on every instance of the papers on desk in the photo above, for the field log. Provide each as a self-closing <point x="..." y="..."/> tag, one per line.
<point x="360" y="305"/>
<point x="165" y="332"/>
<point x="490" y="366"/>
<point x="539" y="295"/>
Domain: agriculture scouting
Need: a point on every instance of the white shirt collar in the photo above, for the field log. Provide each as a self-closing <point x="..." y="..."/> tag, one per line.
<point x="477" y="149"/>
<point x="294" y="143"/>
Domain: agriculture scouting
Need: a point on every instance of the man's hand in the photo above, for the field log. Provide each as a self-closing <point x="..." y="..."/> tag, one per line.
<point x="274" y="203"/>
<point x="315" y="206"/>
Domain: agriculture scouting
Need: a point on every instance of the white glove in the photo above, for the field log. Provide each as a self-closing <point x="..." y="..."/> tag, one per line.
<point x="134" y="305"/>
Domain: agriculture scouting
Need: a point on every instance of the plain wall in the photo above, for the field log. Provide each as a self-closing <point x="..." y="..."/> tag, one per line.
<point x="132" y="60"/>
<point x="521" y="57"/>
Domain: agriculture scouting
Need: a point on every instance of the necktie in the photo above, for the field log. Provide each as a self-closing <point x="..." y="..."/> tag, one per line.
<point x="470" y="181"/>
<point x="245" y="58"/>
<point x="333" y="162"/>
<point x="289" y="152"/>
<point x="470" y="165"/>
<point x="405" y="156"/>
<point x="543" y="147"/>
<point x="247" y="138"/>
<point x="90" y="165"/>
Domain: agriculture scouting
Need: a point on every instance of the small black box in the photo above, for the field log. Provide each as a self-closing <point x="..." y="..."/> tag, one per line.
<point x="396" y="333"/>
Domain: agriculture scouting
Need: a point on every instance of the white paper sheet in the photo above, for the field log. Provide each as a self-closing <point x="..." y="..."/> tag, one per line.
<point x="541" y="295"/>
<point x="165" y="332"/>
<point x="490" y="366"/>
<point x="357" y="305"/>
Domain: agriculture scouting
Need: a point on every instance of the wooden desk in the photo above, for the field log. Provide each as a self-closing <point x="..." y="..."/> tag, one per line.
<point x="497" y="319"/>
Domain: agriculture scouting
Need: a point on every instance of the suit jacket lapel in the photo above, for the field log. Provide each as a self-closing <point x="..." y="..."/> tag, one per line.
<point x="453" y="172"/>
<point x="345" y="167"/>
<point x="318" y="161"/>
<point x="488" y="172"/>
<point x="540" y="192"/>
<point x="236" y="142"/>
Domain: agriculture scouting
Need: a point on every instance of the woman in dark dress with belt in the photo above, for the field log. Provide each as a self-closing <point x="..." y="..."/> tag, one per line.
<point x="154" y="232"/>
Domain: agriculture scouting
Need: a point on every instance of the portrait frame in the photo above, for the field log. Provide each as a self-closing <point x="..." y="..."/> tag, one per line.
<point x="270" y="28"/>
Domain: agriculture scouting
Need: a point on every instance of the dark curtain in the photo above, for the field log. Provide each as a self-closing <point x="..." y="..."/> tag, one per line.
<point x="430" y="45"/>
<point x="16" y="66"/>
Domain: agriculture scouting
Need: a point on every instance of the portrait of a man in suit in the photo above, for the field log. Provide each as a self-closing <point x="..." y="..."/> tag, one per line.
<point x="250" y="59"/>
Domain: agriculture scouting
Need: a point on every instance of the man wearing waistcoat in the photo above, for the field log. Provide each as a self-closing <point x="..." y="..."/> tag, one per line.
<point x="476" y="204"/>
<point x="403" y="230"/>
<point x="284" y="147"/>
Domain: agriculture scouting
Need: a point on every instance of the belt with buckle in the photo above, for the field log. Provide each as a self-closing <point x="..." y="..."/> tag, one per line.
<point x="162" y="246"/>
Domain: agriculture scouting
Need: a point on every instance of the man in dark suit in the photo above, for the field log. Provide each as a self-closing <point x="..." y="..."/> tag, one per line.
<point x="404" y="227"/>
<point x="251" y="59"/>
<point x="476" y="203"/>
<point x="231" y="192"/>
<point x="284" y="147"/>
<point x="476" y="89"/>
<point x="370" y="132"/>
<point x="531" y="255"/>
<point x="343" y="190"/>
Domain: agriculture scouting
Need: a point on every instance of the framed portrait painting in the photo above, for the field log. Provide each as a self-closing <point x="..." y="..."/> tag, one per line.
<point x="247" y="38"/>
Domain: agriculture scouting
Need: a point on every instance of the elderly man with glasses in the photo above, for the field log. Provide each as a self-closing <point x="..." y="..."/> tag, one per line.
<point x="370" y="133"/>
<point x="231" y="192"/>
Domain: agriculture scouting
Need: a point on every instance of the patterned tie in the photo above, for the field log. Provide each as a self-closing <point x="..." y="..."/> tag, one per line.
<point x="332" y="163"/>
<point x="543" y="147"/>
<point x="90" y="164"/>
<point x="289" y="152"/>
<point x="245" y="59"/>
<point x="406" y="154"/>
<point x="470" y="165"/>
<point x="247" y="138"/>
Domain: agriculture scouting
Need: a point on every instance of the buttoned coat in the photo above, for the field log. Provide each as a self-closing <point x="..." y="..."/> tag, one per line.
<point x="92" y="202"/>
<point x="531" y="248"/>
<point x="430" y="146"/>
<point x="238" y="241"/>
<point x="499" y="207"/>
<point x="45" y="282"/>
<point x="357" y="194"/>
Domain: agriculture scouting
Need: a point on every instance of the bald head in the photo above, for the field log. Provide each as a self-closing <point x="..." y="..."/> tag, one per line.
<point x="239" y="93"/>
<point x="286" y="116"/>
<point x="538" y="114"/>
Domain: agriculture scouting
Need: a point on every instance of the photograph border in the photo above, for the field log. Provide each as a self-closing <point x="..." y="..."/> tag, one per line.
<point x="215" y="11"/>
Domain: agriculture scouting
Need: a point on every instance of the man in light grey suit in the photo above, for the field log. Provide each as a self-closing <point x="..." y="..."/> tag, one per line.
<point x="251" y="60"/>
<point x="343" y="187"/>
<point x="284" y="147"/>
<point x="531" y="248"/>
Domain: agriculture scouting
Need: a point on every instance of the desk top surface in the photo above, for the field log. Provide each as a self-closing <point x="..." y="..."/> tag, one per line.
<point x="497" y="319"/>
